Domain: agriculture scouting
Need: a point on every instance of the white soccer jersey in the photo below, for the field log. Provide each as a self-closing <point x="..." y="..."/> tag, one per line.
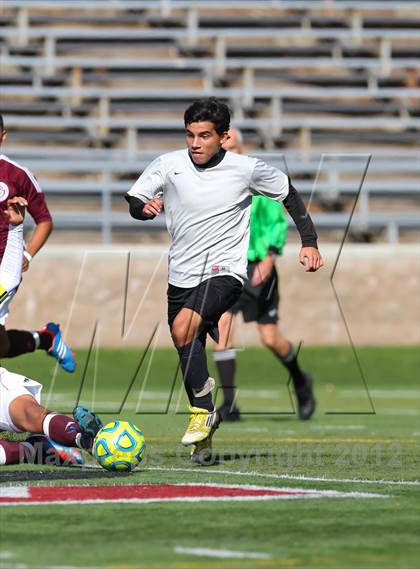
<point x="10" y="269"/>
<point x="13" y="385"/>
<point x="11" y="262"/>
<point x="207" y="211"/>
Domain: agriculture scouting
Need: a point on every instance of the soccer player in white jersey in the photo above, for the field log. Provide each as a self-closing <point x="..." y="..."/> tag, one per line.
<point x="207" y="194"/>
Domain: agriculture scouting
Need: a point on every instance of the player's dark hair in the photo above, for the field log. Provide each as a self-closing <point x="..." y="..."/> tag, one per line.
<point x="212" y="110"/>
<point x="1" y="124"/>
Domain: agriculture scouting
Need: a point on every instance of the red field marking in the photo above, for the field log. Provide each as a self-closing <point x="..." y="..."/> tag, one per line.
<point x="26" y="495"/>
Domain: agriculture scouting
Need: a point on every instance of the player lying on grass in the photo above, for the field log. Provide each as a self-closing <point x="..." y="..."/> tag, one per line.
<point x="20" y="409"/>
<point x="16" y="342"/>
<point x="207" y="194"/>
<point x="259" y="302"/>
<point x="54" y="438"/>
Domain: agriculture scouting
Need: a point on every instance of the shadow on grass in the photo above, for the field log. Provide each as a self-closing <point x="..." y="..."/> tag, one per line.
<point x="71" y="473"/>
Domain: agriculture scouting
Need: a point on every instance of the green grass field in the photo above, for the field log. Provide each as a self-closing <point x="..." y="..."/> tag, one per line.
<point x="355" y="443"/>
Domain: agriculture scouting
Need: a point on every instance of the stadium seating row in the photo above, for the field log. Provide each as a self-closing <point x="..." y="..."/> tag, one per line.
<point x="107" y="82"/>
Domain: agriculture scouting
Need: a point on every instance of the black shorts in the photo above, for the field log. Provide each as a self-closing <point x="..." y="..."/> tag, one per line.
<point x="210" y="299"/>
<point x="259" y="304"/>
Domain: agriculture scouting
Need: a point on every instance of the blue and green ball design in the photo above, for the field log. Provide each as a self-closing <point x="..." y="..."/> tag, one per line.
<point x="119" y="446"/>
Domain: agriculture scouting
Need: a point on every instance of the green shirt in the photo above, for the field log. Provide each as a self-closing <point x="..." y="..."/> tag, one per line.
<point x="268" y="228"/>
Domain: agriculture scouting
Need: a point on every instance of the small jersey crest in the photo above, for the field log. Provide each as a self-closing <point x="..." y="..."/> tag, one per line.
<point x="4" y="191"/>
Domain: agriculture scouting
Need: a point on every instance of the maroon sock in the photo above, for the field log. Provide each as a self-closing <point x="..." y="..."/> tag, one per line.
<point x="12" y="452"/>
<point x="61" y="429"/>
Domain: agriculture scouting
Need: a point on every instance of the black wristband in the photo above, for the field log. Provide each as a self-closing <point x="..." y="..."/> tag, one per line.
<point x="136" y="208"/>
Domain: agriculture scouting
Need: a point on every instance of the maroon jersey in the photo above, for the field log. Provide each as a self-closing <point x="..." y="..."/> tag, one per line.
<point x="15" y="180"/>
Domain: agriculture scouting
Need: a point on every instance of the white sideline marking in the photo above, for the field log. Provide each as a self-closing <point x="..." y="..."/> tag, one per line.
<point x="398" y="412"/>
<point x="385" y="393"/>
<point x="337" y="427"/>
<point x="311" y="492"/>
<point x="220" y="553"/>
<point x="6" y="554"/>
<point x="327" y="494"/>
<point x="287" y="476"/>
<point x="14" y="492"/>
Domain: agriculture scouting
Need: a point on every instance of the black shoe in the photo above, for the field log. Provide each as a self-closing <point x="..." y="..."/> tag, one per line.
<point x="305" y="398"/>
<point x="229" y="412"/>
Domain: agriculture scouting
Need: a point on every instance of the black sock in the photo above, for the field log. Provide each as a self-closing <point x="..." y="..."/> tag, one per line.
<point x="291" y="363"/>
<point x="43" y="340"/>
<point x="193" y="362"/>
<point x="21" y="342"/>
<point x="225" y="361"/>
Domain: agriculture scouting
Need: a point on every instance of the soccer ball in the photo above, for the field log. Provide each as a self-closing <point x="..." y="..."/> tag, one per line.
<point x="119" y="446"/>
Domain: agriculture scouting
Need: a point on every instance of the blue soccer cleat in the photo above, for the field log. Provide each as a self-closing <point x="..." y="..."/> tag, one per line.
<point x="47" y="451"/>
<point x="88" y="421"/>
<point x="59" y="349"/>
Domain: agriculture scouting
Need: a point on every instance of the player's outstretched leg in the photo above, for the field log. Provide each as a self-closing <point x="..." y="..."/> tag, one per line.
<point x="27" y="415"/>
<point x="60" y="434"/>
<point x="38" y="449"/>
<point x="14" y="343"/>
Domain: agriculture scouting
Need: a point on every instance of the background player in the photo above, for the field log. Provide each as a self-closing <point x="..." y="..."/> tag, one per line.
<point x="16" y="181"/>
<point x="259" y="303"/>
<point x="207" y="194"/>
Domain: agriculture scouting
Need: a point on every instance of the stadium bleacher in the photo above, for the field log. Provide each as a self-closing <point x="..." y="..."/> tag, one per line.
<point x="103" y="85"/>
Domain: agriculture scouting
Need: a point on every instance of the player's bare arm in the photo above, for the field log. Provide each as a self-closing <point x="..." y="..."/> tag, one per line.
<point x="38" y="239"/>
<point x="263" y="271"/>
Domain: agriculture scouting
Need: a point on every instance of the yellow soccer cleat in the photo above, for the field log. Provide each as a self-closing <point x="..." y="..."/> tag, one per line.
<point x="201" y="452"/>
<point x="200" y="426"/>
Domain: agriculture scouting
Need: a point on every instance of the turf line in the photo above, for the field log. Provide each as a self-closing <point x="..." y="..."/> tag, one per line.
<point x="220" y="553"/>
<point x="286" y="476"/>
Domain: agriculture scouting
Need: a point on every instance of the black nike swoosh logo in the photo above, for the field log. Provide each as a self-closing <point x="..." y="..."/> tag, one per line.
<point x="176" y="173"/>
